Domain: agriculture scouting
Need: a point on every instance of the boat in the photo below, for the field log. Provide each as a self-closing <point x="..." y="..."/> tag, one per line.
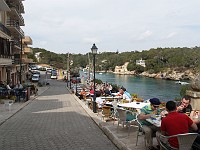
<point x="182" y="83"/>
<point x="100" y="72"/>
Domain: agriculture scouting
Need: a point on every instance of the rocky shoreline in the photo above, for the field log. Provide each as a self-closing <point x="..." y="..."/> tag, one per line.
<point x="175" y="74"/>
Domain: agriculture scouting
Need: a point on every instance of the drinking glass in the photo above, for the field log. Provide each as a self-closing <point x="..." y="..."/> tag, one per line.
<point x="187" y="111"/>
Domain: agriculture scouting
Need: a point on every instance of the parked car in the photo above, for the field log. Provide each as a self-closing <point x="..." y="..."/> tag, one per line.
<point x="42" y="69"/>
<point x="36" y="72"/>
<point x="33" y="68"/>
<point x="53" y="74"/>
<point x="49" y="70"/>
<point x="35" y="78"/>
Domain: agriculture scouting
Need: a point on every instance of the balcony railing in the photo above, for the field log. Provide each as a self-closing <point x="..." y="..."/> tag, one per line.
<point x="4" y="29"/>
<point x="27" y="40"/>
<point x="15" y="24"/>
<point x="27" y="60"/>
<point x="28" y="50"/>
<point x="5" y="50"/>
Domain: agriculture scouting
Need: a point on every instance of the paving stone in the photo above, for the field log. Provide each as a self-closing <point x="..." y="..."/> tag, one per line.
<point x="55" y="120"/>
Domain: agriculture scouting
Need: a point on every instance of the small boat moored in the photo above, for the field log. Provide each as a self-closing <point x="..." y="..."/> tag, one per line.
<point x="182" y="83"/>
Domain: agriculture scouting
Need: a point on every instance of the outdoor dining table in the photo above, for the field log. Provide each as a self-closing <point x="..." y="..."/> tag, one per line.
<point x="110" y="98"/>
<point x="135" y="105"/>
<point x="156" y="121"/>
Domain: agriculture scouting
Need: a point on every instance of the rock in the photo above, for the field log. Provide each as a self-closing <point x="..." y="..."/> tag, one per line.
<point x="195" y="85"/>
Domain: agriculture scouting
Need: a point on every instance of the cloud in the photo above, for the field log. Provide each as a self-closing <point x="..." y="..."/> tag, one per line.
<point x="170" y="35"/>
<point x="90" y="40"/>
<point x="112" y="24"/>
<point x="145" y="35"/>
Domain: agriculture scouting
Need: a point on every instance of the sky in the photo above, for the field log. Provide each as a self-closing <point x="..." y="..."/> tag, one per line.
<point x="63" y="26"/>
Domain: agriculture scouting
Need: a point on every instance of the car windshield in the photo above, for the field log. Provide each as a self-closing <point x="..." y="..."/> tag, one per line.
<point x="35" y="76"/>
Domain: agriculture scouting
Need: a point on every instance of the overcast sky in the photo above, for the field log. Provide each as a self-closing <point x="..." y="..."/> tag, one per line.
<point x="64" y="26"/>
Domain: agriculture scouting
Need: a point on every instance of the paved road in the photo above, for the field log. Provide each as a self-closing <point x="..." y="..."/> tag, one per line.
<point x="54" y="121"/>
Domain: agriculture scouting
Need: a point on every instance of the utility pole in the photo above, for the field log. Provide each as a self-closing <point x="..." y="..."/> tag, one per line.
<point x="20" y="70"/>
<point x="89" y="67"/>
<point x="67" y="68"/>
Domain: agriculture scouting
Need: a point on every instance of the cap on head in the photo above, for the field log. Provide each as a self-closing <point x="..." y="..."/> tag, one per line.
<point x="155" y="101"/>
<point x="124" y="89"/>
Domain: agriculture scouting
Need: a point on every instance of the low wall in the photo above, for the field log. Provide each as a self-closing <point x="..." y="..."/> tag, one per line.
<point x="195" y="99"/>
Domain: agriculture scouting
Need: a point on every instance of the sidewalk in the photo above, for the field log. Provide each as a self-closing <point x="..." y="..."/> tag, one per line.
<point x="17" y="106"/>
<point x="120" y="138"/>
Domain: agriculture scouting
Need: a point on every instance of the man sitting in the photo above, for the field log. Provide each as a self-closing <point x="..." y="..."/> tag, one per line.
<point x="184" y="106"/>
<point x="146" y="112"/>
<point x="175" y="123"/>
<point x="125" y="95"/>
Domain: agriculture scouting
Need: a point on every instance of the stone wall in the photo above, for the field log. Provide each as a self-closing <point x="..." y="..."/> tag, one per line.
<point x="195" y="99"/>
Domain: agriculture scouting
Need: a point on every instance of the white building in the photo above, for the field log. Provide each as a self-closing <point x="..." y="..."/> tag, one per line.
<point x="141" y="62"/>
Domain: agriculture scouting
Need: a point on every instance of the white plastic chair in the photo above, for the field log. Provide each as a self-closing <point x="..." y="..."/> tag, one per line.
<point x="185" y="141"/>
<point x="122" y="119"/>
<point x="114" y="114"/>
<point x="8" y="104"/>
<point x="140" y="131"/>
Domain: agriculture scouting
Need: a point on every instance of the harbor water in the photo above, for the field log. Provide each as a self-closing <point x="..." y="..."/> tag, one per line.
<point x="144" y="87"/>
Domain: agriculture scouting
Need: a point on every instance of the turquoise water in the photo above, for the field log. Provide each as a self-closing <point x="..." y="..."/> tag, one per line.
<point x="145" y="87"/>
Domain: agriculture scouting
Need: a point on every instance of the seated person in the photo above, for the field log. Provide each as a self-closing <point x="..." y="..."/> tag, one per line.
<point x="171" y="127"/>
<point x="184" y="106"/>
<point x="146" y="112"/>
<point x="82" y="94"/>
<point x="18" y="86"/>
<point x="9" y="88"/>
<point x="100" y="102"/>
<point x="2" y="85"/>
<point x="125" y="95"/>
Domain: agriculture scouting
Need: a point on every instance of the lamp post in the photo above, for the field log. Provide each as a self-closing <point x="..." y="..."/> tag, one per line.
<point x="67" y="69"/>
<point x="94" y="52"/>
<point x="20" y="73"/>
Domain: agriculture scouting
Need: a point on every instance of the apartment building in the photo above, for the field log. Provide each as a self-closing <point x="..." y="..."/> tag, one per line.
<point x="12" y="41"/>
<point x="26" y="42"/>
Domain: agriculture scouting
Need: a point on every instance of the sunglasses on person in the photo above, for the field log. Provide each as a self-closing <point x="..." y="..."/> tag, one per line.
<point x="156" y="106"/>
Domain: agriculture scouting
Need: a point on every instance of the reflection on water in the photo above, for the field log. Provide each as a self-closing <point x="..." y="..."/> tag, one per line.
<point x="145" y="87"/>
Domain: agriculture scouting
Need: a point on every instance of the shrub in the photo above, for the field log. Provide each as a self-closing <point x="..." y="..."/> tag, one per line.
<point x="183" y="90"/>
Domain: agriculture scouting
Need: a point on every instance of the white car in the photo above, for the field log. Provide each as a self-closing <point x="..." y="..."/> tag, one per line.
<point x="35" y="78"/>
<point x="53" y="76"/>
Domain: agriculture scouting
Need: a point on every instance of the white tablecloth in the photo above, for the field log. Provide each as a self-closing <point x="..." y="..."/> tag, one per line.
<point x="136" y="105"/>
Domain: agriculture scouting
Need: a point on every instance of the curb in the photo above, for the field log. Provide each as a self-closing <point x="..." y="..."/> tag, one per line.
<point x="98" y="121"/>
<point x="22" y="106"/>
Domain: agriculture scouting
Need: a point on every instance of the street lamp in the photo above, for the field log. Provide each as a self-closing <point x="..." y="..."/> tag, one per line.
<point x="94" y="52"/>
<point x="20" y="73"/>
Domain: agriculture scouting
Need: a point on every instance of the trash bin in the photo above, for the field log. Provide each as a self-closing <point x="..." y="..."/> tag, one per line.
<point x="28" y="93"/>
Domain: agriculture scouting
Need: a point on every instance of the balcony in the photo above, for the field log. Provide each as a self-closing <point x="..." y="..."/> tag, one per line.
<point x="27" y="60"/>
<point x="16" y="13"/>
<point x="5" y="51"/>
<point x="28" y="50"/>
<point x="4" y="29"/>
<point x="27" y="40"/>
<point x="14" y="27"/>
<point x="5" y="61"/>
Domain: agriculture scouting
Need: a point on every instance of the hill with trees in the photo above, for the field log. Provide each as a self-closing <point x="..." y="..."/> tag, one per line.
<point x="157" y="60"/>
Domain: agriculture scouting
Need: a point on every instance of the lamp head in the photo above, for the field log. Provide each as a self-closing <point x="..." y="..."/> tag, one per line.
<point x="94" y="49"/>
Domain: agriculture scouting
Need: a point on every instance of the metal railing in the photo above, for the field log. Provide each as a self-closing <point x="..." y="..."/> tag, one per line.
<point x="5" y="48"/>
<point x="15" y="24"/>
<point x="4" y="29"/>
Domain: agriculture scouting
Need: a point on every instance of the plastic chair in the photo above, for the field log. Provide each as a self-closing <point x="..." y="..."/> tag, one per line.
<point x="8" y="104"/>
<point x="140" y="131"/>
<point x="114" y="113"/>
<point x="106" y="112"/>
<point x="122" y="119"/>
<point x="185" y="141"/>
